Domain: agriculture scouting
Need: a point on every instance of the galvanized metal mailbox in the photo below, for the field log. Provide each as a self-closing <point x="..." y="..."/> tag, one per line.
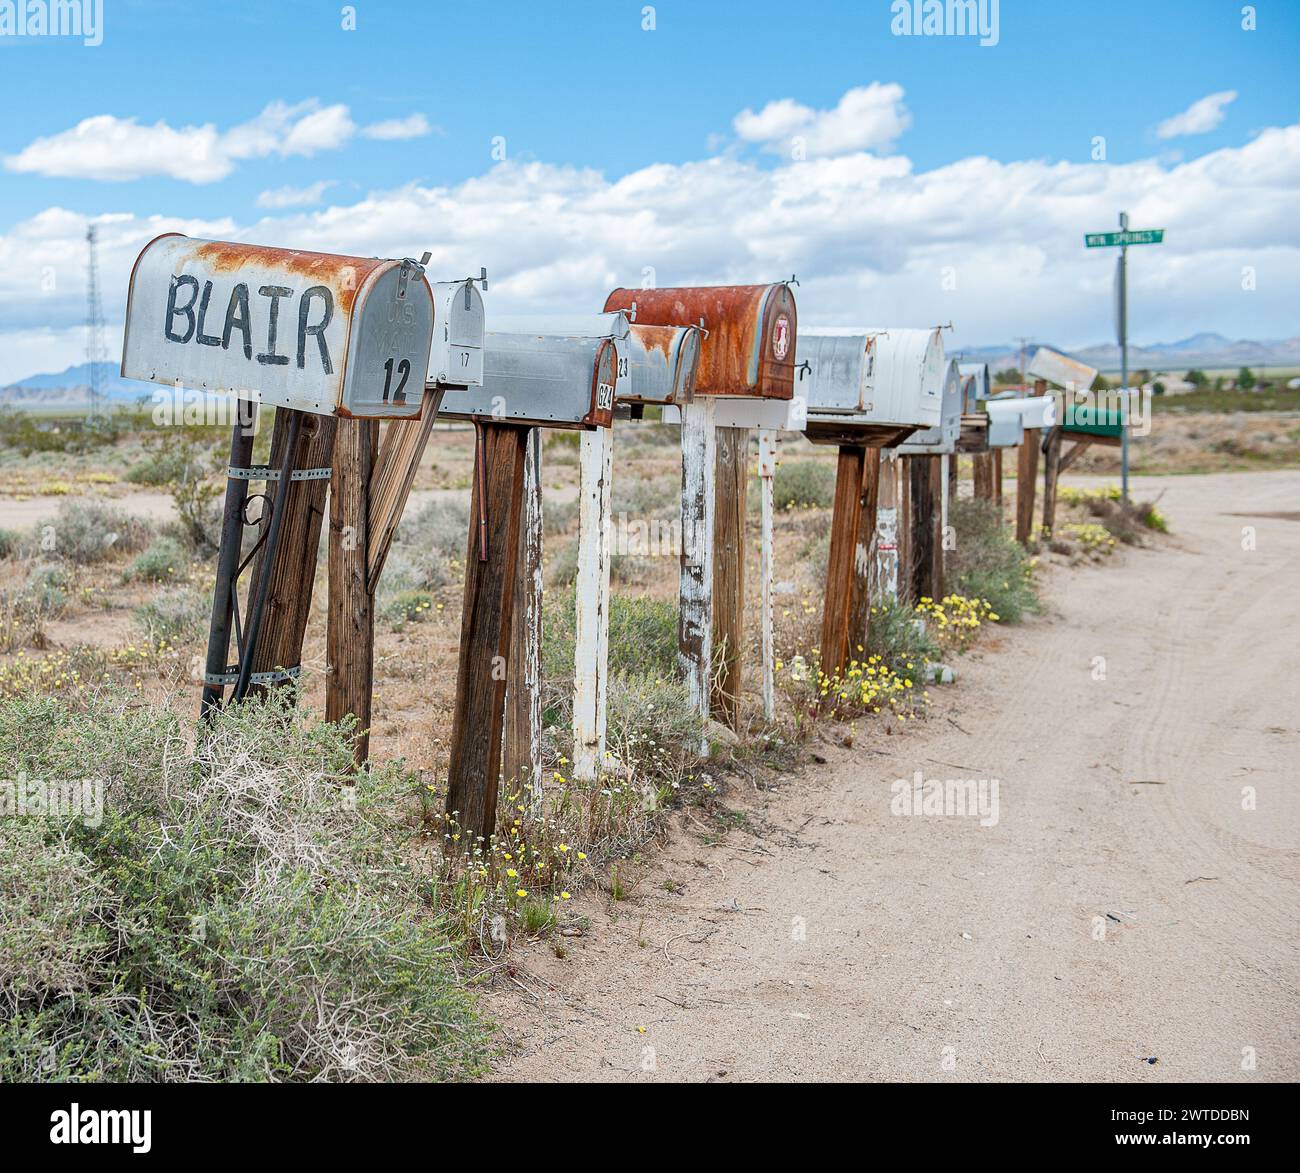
<point x="1033" y="411"/>
<point x="750" y="333"/>
<point x="541" y="380"/>
<point x="941" y="439"/>
<point x="879" y="386"/>
<point x="974" y="384"/>
<point x="317" y="332"/>
<point x="456" y="358"/>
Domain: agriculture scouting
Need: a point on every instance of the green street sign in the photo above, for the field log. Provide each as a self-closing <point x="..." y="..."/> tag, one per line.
<point x="1112" y="239"/>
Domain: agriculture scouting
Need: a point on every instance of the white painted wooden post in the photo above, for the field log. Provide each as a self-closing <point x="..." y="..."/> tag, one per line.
<point x="695" y="593"/>
<point x="943" y="508"/>
<point x="591" y="648"/>
<point x="523" y="749"/>
<point x="767" y="449"/>
<point x="887" y="529"/>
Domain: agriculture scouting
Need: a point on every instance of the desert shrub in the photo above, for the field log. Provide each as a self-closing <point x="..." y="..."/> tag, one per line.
<point x="47" y="588"/>
<point x="642" y="637"/>
<point x="898" y="636"/>
<point x="988" y="563"/>
<point x="10" y="541"/>
<point x="558" y="516"/>
<point x="178" y="615"/>
<point x="644" y="499"/>
<point x="562" y="566"/>
<point x="86" y="532"/>
<point x="230" y="915"/>
<point x="428" y="550"/>
<point x="803" y="484"/>
<point x="407" y="607"/>
<point x="163" y="561"/>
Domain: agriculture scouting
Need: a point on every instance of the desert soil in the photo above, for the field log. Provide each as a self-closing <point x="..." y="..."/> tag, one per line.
<point x="1127" y="918"/>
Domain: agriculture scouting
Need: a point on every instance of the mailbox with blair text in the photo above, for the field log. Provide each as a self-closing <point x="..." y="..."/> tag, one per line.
<point x="749" y="333"/>
<point x="870" y="388"/>
<point x="940" y="440"/>
<point x="456" y="358"/>
<point x="326" y="334"/>
<point x="541" y="380"/>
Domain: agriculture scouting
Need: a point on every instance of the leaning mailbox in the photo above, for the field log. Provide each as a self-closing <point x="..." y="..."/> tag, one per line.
<point x="856" y="390"/>
<point x="942" y="439"/>
<point x="456" y="359"/>
<point x="316" y="332"/>
<point x="747" y="348"/>
<point x="541" y="380"/>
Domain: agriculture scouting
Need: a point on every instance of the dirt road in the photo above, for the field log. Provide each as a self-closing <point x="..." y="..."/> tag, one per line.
<point x="1125" y="919"/>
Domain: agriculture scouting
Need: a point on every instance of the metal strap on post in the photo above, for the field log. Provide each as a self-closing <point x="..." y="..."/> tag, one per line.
<point x="263" y="472"/>
<point x="231" y="675"/>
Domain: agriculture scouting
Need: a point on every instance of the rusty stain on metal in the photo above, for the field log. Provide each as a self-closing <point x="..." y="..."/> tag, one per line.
<point x="752" y="329"/>
<point x="345" y="274"/>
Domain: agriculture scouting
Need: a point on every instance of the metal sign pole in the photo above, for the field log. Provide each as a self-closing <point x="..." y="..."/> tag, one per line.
<point x="1123" y="356"/>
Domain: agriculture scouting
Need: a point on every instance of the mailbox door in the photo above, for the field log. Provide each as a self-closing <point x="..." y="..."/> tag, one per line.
<point x="834" y="379"/>
<point x="392" y="327"/>
<point x="658" y="364"/>
<point x="457" y="356"/>
<point x="751" y="333"/>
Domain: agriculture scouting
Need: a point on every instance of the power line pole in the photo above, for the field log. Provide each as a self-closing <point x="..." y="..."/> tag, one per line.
<point x="94" y="319"/>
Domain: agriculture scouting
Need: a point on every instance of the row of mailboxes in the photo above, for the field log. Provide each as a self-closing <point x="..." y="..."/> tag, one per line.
<point x="350" y="336"/>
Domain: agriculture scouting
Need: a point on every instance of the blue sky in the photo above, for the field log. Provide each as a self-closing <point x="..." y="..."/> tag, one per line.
<point x="579" y="85"/>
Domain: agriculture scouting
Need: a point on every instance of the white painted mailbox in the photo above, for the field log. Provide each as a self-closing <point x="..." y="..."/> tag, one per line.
<point x="316" y="332"/>
<point x="874" y="388"/>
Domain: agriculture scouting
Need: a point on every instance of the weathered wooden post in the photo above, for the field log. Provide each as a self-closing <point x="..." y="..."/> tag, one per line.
<point x="863" y="392"/>
<point x="695" y="588"/>
<point x="927" y="504"/>
<point x="529" y="380"/>
<point x="311" y="334"/>
<point x="747" y="365"/>
<point x="521" y="751"/>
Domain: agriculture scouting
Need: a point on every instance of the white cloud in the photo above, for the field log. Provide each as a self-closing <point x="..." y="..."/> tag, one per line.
<point x="395" y="129"/>
<point x="105" y="147"/>
<point x="295" y="197"/>
<point x="873" y="240"/>
<point x="117" y="149"/>
<point x="1201" y="116"/>
<point x="866" y="118"/>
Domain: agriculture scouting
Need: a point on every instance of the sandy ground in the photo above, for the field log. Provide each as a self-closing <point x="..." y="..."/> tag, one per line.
<point x="1125" y="919"/>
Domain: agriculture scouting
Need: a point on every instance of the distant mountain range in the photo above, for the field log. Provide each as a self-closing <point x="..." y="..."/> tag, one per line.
<point x="71" y="388"/>
<point x="1207" y="351"/>
<point x="1204" y="351"/>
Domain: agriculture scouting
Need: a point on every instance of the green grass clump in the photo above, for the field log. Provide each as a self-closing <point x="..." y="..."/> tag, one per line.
<point x="988" y="563"/>
<point x="163" y="561"/>
<point x="803" y="484"/>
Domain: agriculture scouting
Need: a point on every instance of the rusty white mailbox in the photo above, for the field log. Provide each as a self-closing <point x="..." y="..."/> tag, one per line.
<point x="940" y="440"/>
<point x="746" y="353"/>
<point x="541" y="380"/>
<point x="326" y="334"/>
<point x="872" y="388"/>
<point x="456" y="358"/>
